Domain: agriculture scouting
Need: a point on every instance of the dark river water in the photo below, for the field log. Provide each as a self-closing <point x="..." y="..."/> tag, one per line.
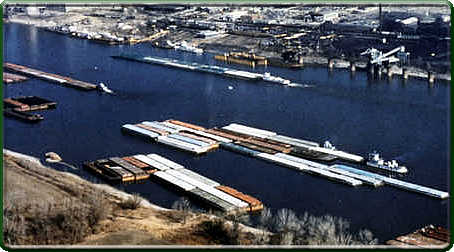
<point x="408" y="121"/>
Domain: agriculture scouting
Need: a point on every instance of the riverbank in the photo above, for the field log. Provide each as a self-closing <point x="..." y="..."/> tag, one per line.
<point x="219" y="45"/>
<point x="47" y="207"/>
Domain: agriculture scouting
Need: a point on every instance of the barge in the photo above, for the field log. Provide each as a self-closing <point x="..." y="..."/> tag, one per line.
<point x="243" y="58"/>
<point x="188" y="137"/>
<point x="193" y="66"/>
<point x="331" y="150"/>
<point x="50" y="77"/>
<point x="33" y="118"/>
<point x="107" y="175"/>
<point x="398" y="183"/>
<point x="29" y="103"/>
<point x="139" y="174"/>
<point x="305" y="168"/>
<point x="140" y="167"/>
<point x="112" y="170"/>
<point x="9" y="78"/>
<point x="271" y="147"/>
<point x="17" y="107"/>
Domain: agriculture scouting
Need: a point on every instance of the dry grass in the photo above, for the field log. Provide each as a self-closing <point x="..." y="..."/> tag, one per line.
<point x="133" y="202"/>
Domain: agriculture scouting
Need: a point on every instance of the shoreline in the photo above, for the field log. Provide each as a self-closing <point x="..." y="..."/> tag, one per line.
<point x="148" y="219"/>
<point x="308" y="61"/>
<point x="103" y="187"/>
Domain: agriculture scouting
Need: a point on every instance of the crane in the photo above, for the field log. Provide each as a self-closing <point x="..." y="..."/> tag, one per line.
<point x="378" y="57"/>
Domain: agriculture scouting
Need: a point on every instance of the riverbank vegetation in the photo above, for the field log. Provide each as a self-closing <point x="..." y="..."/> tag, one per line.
<point x="43" y="206"/>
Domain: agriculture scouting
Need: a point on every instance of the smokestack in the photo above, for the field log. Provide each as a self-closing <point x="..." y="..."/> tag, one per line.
<point x="379" y="17"/>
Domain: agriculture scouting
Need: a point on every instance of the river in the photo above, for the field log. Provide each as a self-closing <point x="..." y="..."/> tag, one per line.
<point x="408" y="121"/>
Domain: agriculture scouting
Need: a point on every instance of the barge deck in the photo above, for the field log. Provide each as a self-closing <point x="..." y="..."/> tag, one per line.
<point x="9" y="78"/>
<point x="269" y="146"/>
<point x="50" y="77"/>
<point x="138" y="167"/>
<point x="193" y="66"/>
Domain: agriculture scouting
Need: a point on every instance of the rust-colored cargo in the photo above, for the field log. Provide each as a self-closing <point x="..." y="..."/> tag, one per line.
<point x="255" y="147"/>
<point x="254" y="204"/>
<point x="273" y="142"/>
<point x="136" y="162"/>
<point x="267" y="145"/>
<point x="217" y="132"/>
<point x="151" y="171"/>
<point x="234" y="133"/>
<point x="187" y="125"/>
<point x="139" y="174"/>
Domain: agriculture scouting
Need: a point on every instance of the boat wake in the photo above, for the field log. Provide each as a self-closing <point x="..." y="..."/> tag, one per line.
<point x="300" y="85"/>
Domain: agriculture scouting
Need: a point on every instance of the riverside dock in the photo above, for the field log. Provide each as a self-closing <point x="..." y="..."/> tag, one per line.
<point x="271" y="147"/>
<point x="140" y="167"/>
<point x="54" y="78"/>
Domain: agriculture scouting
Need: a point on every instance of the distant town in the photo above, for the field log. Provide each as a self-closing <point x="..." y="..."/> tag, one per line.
<point x="288" y="35"/>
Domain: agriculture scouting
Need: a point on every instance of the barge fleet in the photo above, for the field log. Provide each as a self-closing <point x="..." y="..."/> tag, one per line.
<point x="269" y="146"/>
<point x="141" y="167"/>
<point x="193" y="66"/>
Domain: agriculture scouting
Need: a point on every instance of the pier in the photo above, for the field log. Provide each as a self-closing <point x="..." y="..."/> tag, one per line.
<point x="54" y="78"/>
<point x="140" y="167"/>
<point x="271" y="147"/>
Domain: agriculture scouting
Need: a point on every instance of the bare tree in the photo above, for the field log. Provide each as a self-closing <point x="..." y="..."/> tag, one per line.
<point x="266" y="219"/>
<point x="365" y="237"/>
<point x="286" y="220"/>
<point x="311" y="230"/>
<point x="184" y="205"/>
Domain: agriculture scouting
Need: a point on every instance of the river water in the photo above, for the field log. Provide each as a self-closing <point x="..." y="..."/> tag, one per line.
<point x="408" y="121"/>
